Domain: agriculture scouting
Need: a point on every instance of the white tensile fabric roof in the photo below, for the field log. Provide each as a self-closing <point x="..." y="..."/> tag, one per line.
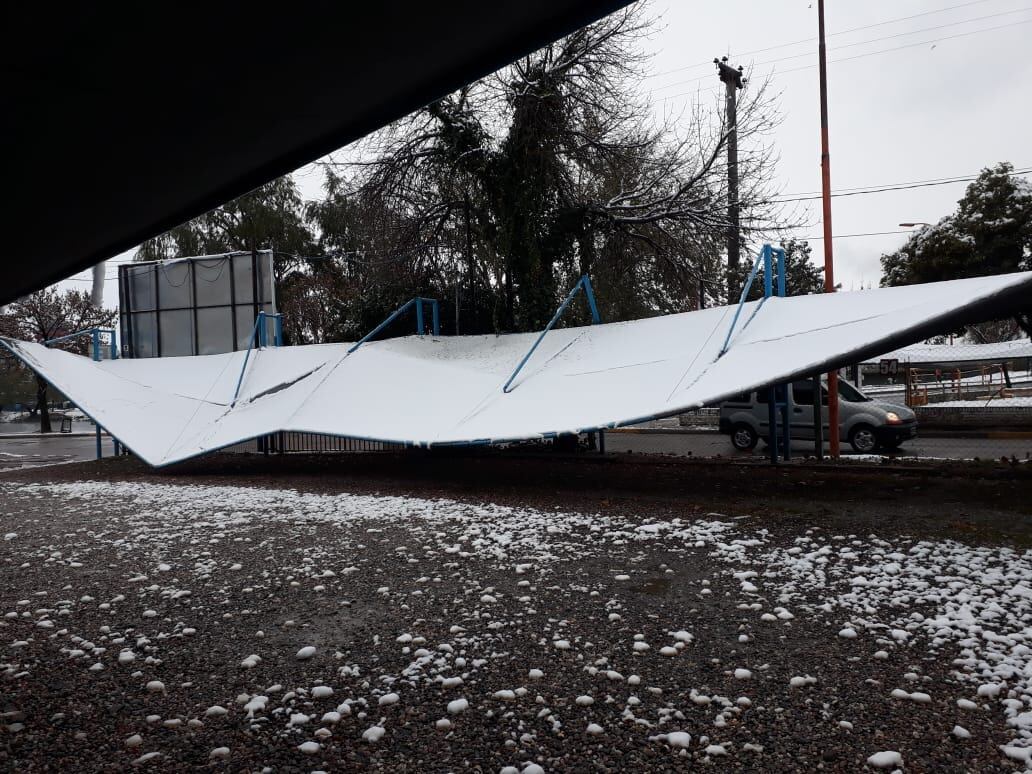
<point x="961" y="352"/>
<point x="426" y="391"/>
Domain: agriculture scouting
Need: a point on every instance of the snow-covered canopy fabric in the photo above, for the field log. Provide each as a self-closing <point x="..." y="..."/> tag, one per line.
<point x="430" y="391"/>
<point x="961" y="352"/>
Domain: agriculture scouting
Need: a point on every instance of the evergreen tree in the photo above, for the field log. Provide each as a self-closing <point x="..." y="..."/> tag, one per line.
<point x="990" y="233"/>
<point x="803" y="277"/>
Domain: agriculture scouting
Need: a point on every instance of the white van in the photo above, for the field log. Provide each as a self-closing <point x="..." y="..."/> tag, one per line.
<point x="867" y="424"/>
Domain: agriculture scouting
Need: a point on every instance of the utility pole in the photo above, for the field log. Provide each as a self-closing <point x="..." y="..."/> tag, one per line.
<point x="732" y="80"/>
<point x="829" y="262"/>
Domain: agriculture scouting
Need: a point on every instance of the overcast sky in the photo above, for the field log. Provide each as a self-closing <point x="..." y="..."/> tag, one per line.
<point x="940" y="94"/>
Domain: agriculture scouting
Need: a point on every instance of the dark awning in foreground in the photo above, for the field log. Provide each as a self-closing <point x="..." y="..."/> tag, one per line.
<point x="121" y="121"/>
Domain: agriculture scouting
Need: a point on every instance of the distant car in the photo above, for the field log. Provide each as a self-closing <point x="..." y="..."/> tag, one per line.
<point x="867" y="424"/>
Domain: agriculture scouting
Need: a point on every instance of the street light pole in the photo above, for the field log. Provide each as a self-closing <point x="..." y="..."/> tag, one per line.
<point x="829" y="261"/>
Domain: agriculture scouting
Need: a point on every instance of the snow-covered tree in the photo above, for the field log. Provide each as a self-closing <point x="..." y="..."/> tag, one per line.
<point x="990" y="233"/>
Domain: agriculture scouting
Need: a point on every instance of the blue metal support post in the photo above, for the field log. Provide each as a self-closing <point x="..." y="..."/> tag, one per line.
<point x="768" y="280"/>
<point x="95" y="337"/>
<point x="420" y="327"/>
<point x="772" y="391"/>
<point x="786" y="426"/>
<point x="782" y="268"/>
<point x="777" y="395"/>
<point x="762" y="256"/>
<point x="589" y="291"/>
<point x="259" y="322"/>
<point x="582" y="284"/>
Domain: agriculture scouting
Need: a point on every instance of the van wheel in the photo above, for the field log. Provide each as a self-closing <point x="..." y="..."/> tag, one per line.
<point x="862" y="439"/>
<point x="743" y="437"/>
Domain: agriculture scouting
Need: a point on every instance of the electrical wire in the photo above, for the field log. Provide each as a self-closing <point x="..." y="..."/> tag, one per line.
<point x="867" y="42"/>
<point x="1021" y="170"/>
<point x="884" y="189"/>
<point x="830" y="35"/>
<point x="869" y="53"/>
<point x="850" y="236"/>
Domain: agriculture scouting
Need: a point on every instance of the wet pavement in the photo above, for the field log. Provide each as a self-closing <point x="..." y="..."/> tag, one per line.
<point x="35" y="450"/>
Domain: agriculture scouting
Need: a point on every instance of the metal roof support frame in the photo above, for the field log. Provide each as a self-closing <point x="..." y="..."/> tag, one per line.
<point x="420" y="328"/>
<point x="774" y="405"/>
<point x="584" y="283"/>
<point x="764" y="255"/>
<point x="94" y="334"/>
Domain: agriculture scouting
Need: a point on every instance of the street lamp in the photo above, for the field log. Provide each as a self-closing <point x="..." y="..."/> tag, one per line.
<point x="914" y="225"/>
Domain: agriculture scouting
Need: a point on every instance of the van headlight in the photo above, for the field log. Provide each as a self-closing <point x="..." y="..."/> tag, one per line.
<point x="892" y="417"/>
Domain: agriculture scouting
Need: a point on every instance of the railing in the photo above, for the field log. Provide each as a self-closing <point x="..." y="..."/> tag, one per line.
<point x="94" y="333"/>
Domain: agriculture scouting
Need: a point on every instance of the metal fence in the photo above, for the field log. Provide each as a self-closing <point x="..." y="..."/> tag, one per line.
<point x="292" y="442"/>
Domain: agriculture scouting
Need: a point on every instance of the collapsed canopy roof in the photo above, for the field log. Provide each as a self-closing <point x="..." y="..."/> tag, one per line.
<point x="427" y="391"/>
<point x="962" y="352"/>
<point x="126" y="120"/>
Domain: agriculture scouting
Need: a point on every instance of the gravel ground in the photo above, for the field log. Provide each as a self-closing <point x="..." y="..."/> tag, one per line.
<point x="667" y="606"/>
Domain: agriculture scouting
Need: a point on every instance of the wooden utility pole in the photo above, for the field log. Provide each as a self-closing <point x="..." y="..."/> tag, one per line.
<point x="732" y="80"/>
<point x="829" y="262"/>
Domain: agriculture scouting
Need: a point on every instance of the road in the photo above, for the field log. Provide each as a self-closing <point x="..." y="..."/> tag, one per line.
<point x="709" y="444"/>
<point x="34" y="451"/>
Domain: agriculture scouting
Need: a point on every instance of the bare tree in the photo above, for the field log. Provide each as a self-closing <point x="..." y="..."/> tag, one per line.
<point x="48" y="314"/>
<point x="557" y="165"/>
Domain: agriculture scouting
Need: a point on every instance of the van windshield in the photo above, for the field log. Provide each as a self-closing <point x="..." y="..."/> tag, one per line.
<point x="851" y="394"/>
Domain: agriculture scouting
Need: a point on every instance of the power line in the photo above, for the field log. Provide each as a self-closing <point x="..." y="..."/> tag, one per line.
<point x="830" y="35"/>
<point x="869" y="41"/>
<point x="869" y="53"/>
<point x="850" y="236"/>
<point x="885" y="188"/>
<point x="949" y="179"/>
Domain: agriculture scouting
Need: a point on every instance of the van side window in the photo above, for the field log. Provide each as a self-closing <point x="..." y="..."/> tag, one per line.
<point x="802" y="393"/>
<point x="745" y="397"/>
